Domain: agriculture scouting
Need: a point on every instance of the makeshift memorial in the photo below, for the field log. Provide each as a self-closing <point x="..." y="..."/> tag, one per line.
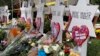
<point x="24" y="40"/>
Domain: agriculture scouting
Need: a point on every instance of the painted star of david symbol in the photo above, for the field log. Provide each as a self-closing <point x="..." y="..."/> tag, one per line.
<point x="82" y="14"/>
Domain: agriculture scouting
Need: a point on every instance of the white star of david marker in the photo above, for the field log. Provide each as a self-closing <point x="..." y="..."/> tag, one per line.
<point x="57" y="16"/>
<point x="40" y="8"/>
<point x="82" y="14"/>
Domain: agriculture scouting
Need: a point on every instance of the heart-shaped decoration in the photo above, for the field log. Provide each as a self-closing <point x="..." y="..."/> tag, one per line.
<point x="55" y="29"/>
<point x="38" y="23"/>
<point x="80" y="34"/>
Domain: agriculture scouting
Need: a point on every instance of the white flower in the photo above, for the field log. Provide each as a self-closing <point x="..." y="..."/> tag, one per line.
<point x="46" y="48"/>
<point x="55" y="47"/>
<point x="61" y="53"/>
<point x="33" y="44"/>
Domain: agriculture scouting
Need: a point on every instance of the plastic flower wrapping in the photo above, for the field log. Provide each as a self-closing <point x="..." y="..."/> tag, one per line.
<point x="22" y="43"/>
<point x="12" y="45"/>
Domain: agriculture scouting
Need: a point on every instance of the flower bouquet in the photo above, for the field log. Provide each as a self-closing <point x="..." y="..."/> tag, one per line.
<point x="13" y="44"/>
<point x="2" y="39"/>
<point x="21" y="44"/>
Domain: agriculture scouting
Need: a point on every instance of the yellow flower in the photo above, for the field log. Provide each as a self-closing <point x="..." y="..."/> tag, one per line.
<point x="33" y="44"/>
<point x="29" y="42"/>
<point x="9" y="22"/>
<point x="98" y="31"/>
<point x="64" y="26"/>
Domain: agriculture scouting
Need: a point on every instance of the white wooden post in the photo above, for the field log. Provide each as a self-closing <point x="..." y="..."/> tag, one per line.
<point x="4" y="12"/>
<point x="7" y="13"/>
<point x="30" y="13"/>
<point x="23" y="10"/>
<point x="83" y="48"/>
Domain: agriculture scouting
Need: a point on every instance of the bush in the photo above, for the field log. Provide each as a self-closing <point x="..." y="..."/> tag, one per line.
<point x="2" y="34"/>
<point x="47" y="23"/>
<point x="94" y="48"/>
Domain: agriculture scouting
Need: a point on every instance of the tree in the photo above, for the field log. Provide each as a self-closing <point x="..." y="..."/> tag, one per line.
<point x="95" y="2"/>
<point x="5" y="2"/>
